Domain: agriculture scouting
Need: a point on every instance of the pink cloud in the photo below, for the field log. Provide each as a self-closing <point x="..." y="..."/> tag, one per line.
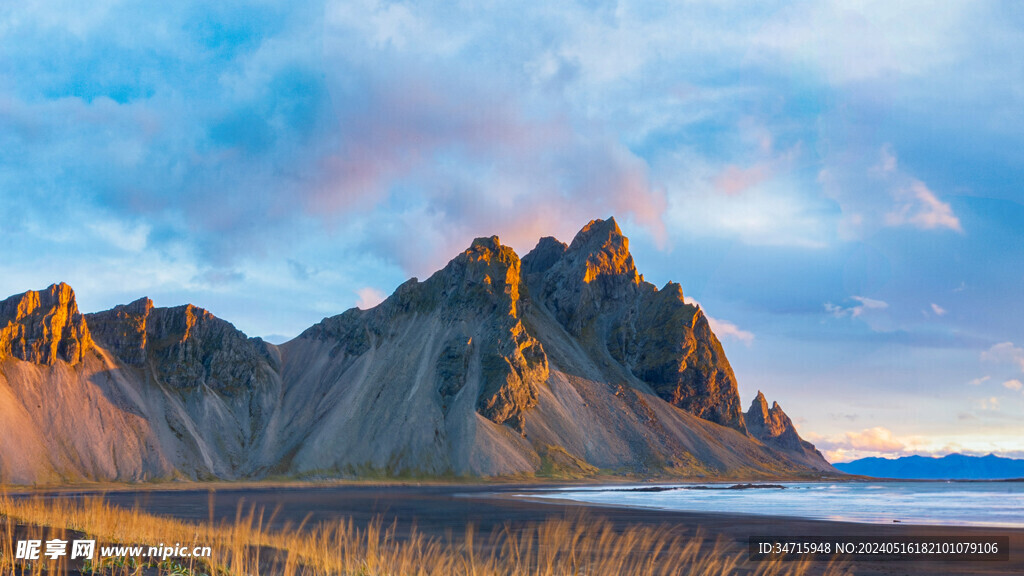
<point x="428" y="165"/>
<point x="369" y="297"/>
<point x="733" y="179"/>
<point x="919" y="207"/>
<point x="877" y="441"/>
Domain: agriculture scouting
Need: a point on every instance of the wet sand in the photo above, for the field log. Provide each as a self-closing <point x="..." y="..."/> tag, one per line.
<point x="446" y="510"/>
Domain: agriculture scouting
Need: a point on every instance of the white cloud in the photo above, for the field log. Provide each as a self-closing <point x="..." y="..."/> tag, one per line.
<point x="979" y="381"/>
<point x="754" y="196"/>
<point x="990" y="403"/>
<point x="865" y="305"/>
<point x="919" y="207"/>
<point x="887" y="162"/>
<point x="868" y="40"/>
<point x="874" y="191"/>
<point x="724" y="328"/>
<point x="1014" y="385"/>
<point x="939" y="310"/>
<point x="1005" y="353"/>
<point x="124" y="236"/>
<point x="369" y="297"/>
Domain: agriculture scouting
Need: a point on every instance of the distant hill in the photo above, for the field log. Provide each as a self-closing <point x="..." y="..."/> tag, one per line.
<point x="950" y="467"/>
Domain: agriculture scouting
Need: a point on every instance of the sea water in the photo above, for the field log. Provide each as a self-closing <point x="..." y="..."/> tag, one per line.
<point x="933" y="503"/>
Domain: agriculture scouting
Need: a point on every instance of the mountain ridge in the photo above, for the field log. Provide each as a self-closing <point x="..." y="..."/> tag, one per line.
<point x="953" y="466"/>
<point x="563" y="362"/>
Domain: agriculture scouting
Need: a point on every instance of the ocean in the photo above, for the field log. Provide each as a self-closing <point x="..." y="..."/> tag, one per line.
<point x="928" y="503"/>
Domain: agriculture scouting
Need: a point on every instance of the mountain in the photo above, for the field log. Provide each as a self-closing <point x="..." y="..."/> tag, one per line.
<point x="564" y="363"/>
<point x="773" y="427"/>
<point x="949" y="467"/>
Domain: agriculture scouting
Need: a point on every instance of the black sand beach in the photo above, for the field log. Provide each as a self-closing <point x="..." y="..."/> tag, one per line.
<point x="444" y="511"/>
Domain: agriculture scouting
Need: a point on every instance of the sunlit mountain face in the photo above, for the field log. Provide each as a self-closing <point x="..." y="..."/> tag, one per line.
<point x="836" y="186"/>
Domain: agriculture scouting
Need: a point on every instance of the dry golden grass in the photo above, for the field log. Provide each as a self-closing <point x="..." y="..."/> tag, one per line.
<point x="247" y="547"/>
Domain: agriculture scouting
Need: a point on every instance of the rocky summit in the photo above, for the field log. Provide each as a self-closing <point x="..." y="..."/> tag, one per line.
<point x="44" y="326"/>
<point x="562" y="364"/>
<point x="773" y="427"/>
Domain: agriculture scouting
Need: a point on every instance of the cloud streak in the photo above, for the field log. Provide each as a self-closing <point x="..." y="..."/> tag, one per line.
<point x="918" y="206"/>
<point x="865" y="305"/>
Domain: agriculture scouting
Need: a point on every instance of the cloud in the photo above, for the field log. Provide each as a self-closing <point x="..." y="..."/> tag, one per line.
<point x="919" y="207"/>
<point x="887" y="162"/>
<point x="734" y="179"/>
<point x="1005" y="353"/>
<point x="724" y="328"/>
<point x="235" y="132"/>
<point x="1014" y="385"/>
<point x="868" y="41"/>
<point x="979" y="381"/>
<point x="876" y="441"/>
<point x="369" y="297"/>
<point x="873" y="192"/>
<point x="865" y="305"/>
<point x="989" y="404"/>
<point x="938" y="310"/>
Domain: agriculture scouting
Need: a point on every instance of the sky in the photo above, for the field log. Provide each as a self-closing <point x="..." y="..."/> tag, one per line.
<point x="836" y="183"/>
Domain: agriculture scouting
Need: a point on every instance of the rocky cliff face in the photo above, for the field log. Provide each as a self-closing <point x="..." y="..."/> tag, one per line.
<point x="563" y="363"/>
<point x="186" y="346"/>
<point x="593" y="288"/>
<point x="43" y="326"/>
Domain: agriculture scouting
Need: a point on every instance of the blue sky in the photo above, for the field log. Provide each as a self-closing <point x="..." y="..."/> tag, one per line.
<point x="838" y="184"/>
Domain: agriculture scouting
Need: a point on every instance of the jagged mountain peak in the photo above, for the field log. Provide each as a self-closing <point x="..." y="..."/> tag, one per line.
<point x="485" y="274"/>
<point x="489" y="256"/>
<point x="44" y="326"/>
<point x="676" y="290"/>
<point x="544" y="255"/>
<point x="766" y="422"/>
<point x="760" y="404"/>
<point x="593" y="289"/>
<point x="122" y="329"/>
<point x="773" y="427"/>
<point x="487" y="243"/>
<point x="142" y="305"/>
<point x="190" y="345"/>
<point x="601" y="250"/>
<point x="597" y="230"/>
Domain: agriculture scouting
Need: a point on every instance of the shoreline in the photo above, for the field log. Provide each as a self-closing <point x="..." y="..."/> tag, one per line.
<point x="186" y="485"/>
<point x="173" y="485"/>
<point x="445" y="511"/>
